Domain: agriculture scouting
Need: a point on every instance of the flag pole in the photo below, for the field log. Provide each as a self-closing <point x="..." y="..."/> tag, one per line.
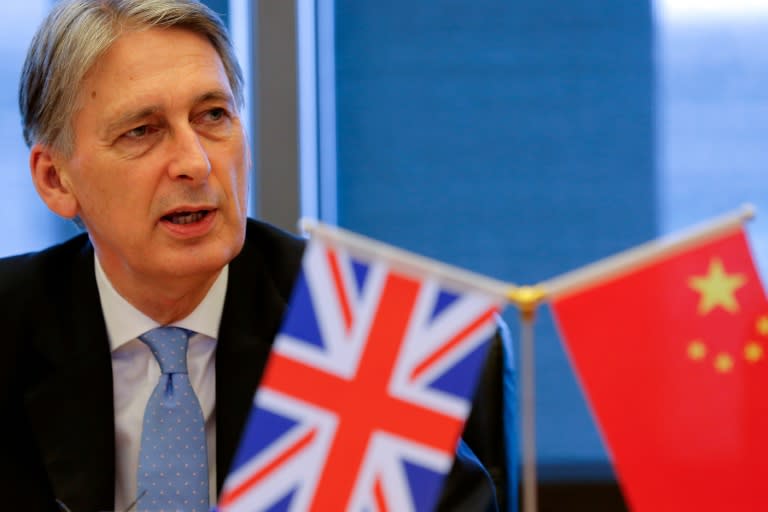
<point x="403" y="260"/>
<point x="527" y="299"/>
<point x="642" y="254"/>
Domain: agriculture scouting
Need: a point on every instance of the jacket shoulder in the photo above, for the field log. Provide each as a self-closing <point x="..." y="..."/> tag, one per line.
<point x="25" y="274"/>
<point x="279" y="251"/>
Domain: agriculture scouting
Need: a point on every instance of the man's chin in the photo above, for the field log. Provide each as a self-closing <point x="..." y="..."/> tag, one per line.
<point x="198" y="263"/>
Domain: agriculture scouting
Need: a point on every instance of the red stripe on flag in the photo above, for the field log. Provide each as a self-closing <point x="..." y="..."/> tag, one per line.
<point x="338" y="283"/>
<point x="453" y="342"/>
<point x="378" y="494"/>
<point x="230" y="496"/>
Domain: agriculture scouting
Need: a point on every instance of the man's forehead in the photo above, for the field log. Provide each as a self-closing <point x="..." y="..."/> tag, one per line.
<point x="138" y="63"/>
<point x="121" y="57"/>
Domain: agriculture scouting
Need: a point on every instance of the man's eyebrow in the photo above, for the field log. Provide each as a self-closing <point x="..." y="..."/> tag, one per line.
<point x="129" y="118"/>
<point x="215" y="95"/>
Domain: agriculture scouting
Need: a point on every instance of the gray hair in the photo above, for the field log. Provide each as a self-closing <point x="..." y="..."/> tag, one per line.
<point x="76" y="33"/>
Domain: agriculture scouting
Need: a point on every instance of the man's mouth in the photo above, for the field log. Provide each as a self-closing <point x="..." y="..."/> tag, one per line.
<point x="186" y="217"/>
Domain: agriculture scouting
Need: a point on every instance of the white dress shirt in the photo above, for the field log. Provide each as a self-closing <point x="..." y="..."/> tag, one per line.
<point x="135" y="373"/>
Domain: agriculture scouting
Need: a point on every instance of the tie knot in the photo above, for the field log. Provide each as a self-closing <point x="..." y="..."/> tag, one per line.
<point x="169" y="346"/>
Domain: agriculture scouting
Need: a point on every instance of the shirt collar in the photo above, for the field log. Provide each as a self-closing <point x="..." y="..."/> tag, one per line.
<point x="124" y="322"/>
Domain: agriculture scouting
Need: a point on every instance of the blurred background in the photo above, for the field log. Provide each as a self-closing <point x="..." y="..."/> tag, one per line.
<point x="517" y="138"/>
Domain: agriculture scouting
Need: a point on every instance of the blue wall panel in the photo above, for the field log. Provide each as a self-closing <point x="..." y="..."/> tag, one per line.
<point x="514" y="138"/>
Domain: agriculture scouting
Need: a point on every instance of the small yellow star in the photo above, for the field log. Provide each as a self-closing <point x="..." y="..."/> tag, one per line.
<point x="697" y="350"/>
<point x="753" y="352"/>
<point x="762" y="325"/>
<point x="723" y="363"/>
<point x="717" y="288"/>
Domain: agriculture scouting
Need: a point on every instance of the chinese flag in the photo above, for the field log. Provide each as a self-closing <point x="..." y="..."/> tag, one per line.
<point x="673" y="356"/>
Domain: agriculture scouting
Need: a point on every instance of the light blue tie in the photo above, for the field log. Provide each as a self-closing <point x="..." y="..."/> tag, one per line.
<point x="173" y="461"/>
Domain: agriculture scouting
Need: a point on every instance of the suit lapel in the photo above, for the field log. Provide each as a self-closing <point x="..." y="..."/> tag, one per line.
<point x="252" y="312"/>
<point x="70" y="405"/>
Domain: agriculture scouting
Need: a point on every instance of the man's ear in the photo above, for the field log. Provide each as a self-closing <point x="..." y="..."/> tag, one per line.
<point x="51" y="183"/>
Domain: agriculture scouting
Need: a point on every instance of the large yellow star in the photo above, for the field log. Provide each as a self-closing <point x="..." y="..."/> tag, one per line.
<point x="717" y="288"/>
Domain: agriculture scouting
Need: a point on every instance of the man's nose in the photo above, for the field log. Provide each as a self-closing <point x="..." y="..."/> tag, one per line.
<point x="190" y="158"/>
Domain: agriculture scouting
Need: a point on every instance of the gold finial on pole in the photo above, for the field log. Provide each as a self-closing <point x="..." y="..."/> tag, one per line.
<point x="527" y="299"/>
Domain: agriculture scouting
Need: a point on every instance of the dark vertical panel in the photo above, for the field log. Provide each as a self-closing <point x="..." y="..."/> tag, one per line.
<point x="514" y="138"/>
<point x="276" y="154"/>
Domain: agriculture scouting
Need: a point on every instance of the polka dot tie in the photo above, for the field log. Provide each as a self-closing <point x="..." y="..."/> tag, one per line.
<point x="173" y="461"/>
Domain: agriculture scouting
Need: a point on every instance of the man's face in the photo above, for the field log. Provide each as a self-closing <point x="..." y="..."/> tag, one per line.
<point x="159" y="167"/>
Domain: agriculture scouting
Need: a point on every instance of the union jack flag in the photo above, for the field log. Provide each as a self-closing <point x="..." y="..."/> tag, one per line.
<point x="366" y="391"/>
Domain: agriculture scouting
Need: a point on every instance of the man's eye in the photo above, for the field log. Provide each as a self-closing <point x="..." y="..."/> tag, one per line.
<point x="138" y="132"/>
<point x="215" y="114"/>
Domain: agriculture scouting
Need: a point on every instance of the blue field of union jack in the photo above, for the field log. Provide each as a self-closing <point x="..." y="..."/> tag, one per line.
<point x="365" y="393"/>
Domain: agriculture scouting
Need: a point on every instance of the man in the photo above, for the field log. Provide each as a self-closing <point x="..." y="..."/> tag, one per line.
<point x="132" y="111"/>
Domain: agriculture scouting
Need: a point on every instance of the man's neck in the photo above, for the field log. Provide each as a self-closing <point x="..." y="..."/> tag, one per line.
<point x="174" y="305"/>
<point x="164" y="300"/>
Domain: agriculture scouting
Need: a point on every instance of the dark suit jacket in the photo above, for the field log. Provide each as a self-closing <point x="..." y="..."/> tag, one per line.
<point x="57" y="423"/>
